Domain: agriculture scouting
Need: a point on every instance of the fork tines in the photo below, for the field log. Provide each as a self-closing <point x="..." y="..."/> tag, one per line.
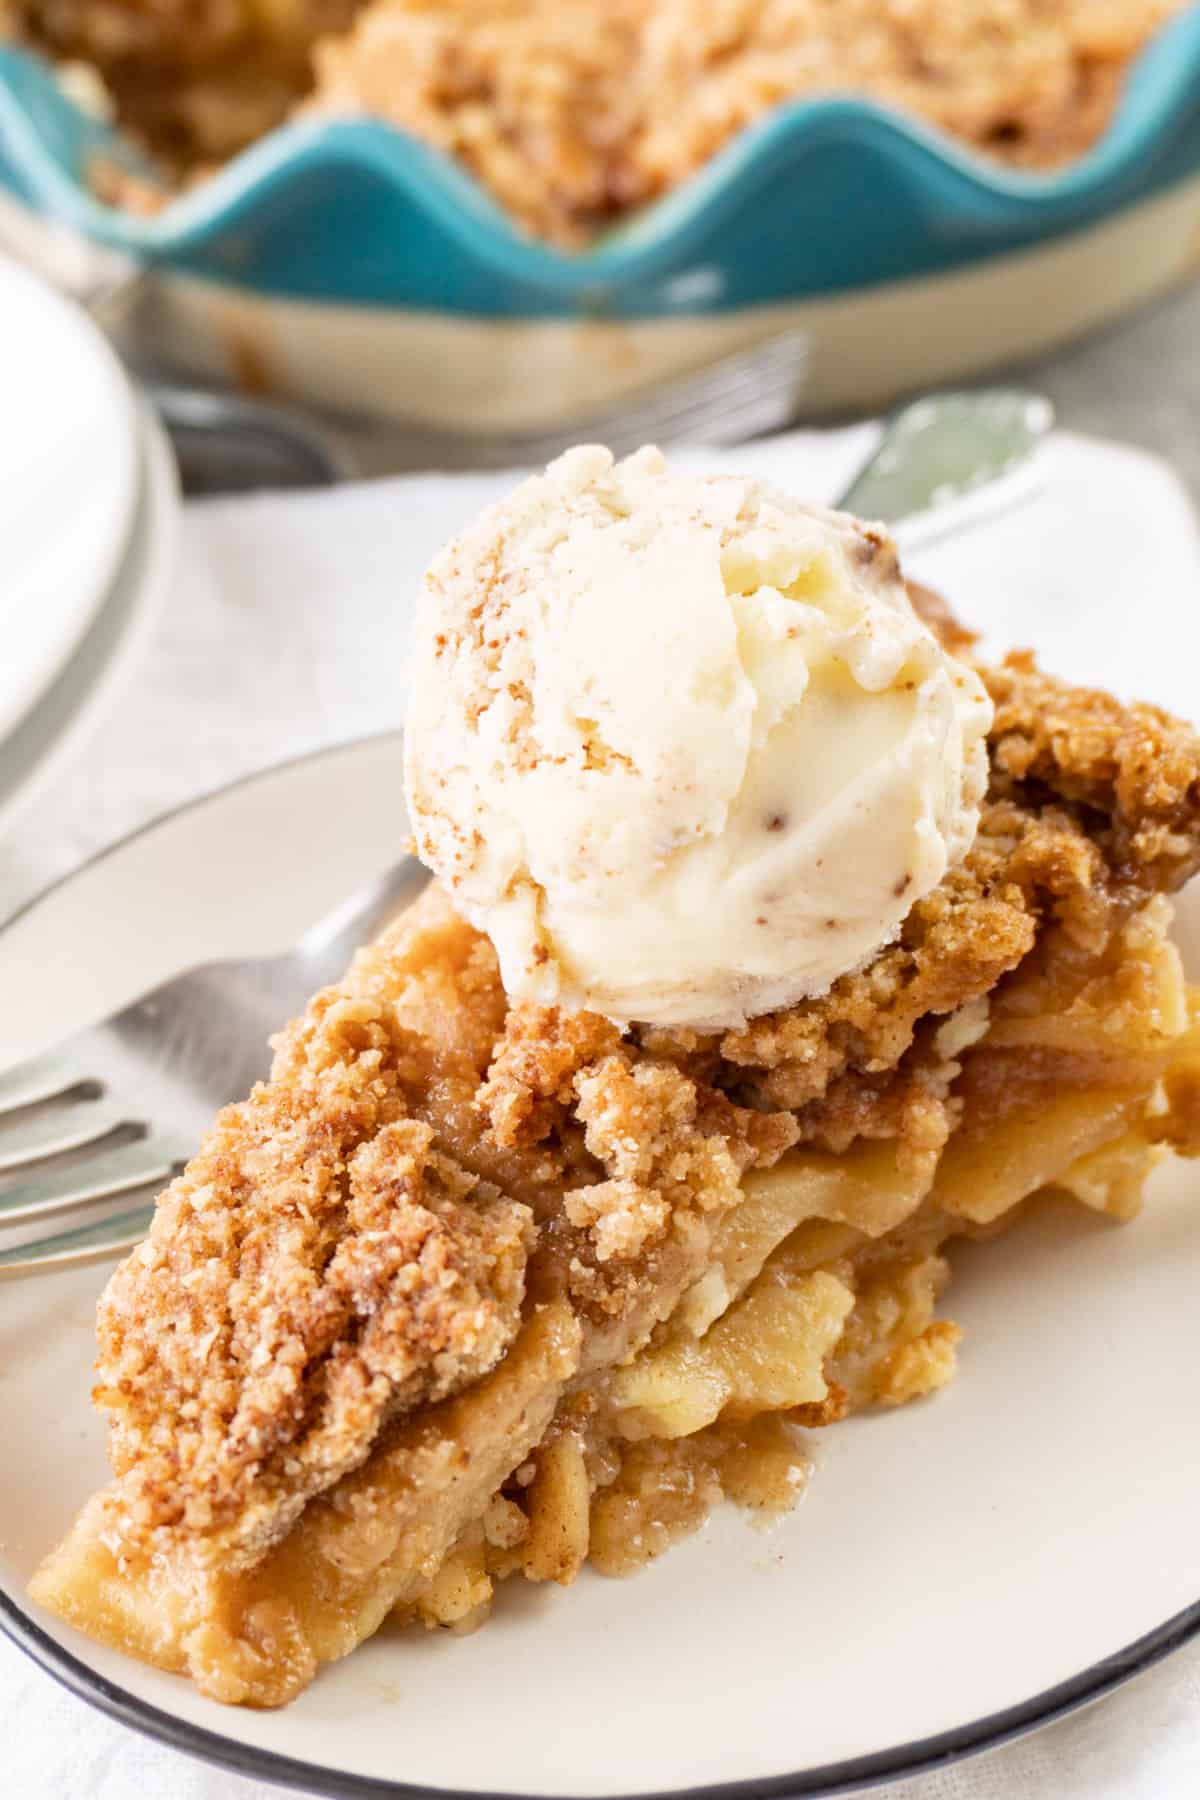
<point x="66" y="1145"/>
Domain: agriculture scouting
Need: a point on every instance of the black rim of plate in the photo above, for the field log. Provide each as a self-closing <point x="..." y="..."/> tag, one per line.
<point x="285" y="1771"/>
<point x="833" y="1778"/>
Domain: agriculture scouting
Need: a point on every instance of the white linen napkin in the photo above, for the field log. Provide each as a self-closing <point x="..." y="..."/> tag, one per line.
<point x="286" y="630"/>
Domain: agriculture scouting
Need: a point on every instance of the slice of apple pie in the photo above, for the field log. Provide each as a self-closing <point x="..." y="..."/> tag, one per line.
<point x="479" y="1285"/>
<point x="469" y="1289"/>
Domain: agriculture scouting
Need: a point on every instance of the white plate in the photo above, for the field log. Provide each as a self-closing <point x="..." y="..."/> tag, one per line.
<point x="114" y="635"/>
<point x="959" y="1571"/>
<point x="68" y="483"/>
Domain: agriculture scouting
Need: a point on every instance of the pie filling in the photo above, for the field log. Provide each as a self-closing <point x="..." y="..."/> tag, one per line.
<point x="467" y="1291"/>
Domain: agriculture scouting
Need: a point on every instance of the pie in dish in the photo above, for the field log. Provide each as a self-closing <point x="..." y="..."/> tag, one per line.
<point x="472" y="1288"/>
<point x="574" y="112"/>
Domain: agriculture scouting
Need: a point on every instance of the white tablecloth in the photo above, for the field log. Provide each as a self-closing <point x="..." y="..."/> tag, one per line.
<point x="286" y="629"/>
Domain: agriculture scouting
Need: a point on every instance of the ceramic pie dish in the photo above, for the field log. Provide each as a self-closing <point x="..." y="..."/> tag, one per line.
<point x="344" y="263"/>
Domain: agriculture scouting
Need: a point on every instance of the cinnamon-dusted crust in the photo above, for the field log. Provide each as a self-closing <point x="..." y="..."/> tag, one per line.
<point x="362" y="1250"/>
<point x="319" y="1267"/>
<point x="330" y="1260"/>
<point x="573" y="112"/>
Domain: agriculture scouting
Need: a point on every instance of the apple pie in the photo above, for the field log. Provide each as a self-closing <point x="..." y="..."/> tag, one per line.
<point x="574" y="112"/>
<point x="471" y="1289"/>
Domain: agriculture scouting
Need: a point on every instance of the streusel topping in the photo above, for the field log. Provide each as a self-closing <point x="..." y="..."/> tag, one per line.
<point x="572" y="112"/>
<point x="363" y="1235"/>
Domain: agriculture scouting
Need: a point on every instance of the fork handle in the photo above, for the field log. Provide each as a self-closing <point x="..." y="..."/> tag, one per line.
<point x="329" y="946"/>
<point x="945" y="447"/>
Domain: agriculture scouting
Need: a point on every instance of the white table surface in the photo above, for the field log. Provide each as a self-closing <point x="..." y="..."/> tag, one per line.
<point x="253" y="662"/>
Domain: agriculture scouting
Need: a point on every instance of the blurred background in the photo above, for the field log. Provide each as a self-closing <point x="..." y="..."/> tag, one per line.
<point x="458" y="232"/>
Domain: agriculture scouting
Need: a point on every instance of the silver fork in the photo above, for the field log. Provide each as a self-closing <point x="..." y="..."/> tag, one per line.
<point x="118" y="1109"/>
<point x="225" y="443"/>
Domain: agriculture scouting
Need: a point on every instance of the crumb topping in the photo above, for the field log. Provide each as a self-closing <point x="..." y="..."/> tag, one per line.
<point x="319" y="1267"/>
<point x="365" y="1233"/>
<point x="572" y="112"/>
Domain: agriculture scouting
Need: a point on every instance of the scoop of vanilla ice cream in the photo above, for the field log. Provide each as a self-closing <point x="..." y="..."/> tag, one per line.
<point x="680" y="745"/>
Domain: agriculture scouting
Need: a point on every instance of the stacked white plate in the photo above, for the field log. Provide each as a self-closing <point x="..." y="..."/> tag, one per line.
<point x="88" y="509"/>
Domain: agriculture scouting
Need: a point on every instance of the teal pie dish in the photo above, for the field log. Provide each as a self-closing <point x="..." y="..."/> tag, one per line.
<point x="296" y="251"/>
